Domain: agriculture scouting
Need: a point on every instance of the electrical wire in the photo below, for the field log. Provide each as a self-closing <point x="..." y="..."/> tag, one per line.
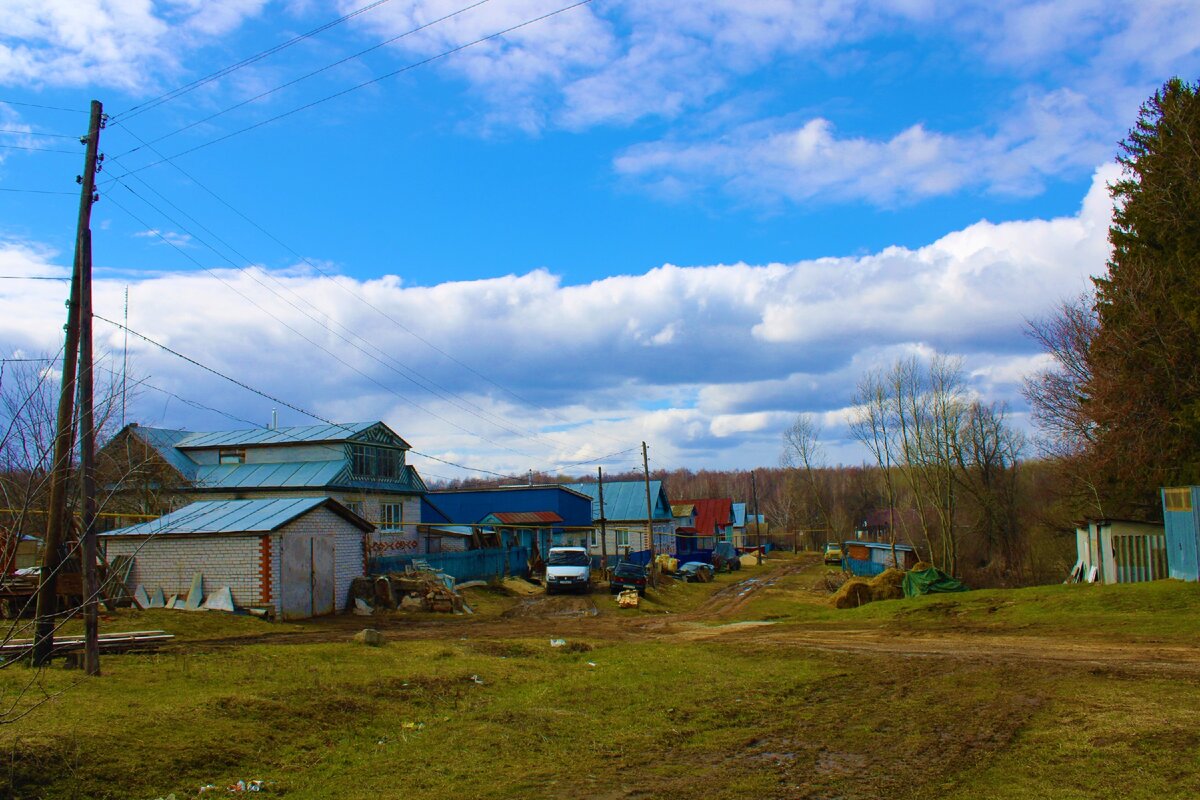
<point x="304" y="77"/>
<point x="341" y="285"/>
<point x="38" y="133"/>
<point x="178" y="92"/>
<point x="327" y="322"/>
<point x="38" y="149"/>
<point x="307" y="339"/>
<point x="34" y="191"/>
<point x="50" y="108"/>
<point x="372" y="81"/>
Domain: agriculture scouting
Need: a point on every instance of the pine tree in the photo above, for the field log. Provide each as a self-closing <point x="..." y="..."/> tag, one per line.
<point x="1144" y="395"/>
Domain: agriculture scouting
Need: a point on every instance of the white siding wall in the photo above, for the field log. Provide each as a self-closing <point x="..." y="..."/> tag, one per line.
<point x="170" y="563"/>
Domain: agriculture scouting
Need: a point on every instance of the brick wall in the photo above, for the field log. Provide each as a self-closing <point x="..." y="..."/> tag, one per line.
<point x="169" y="563"/>
<point x="347" y="552"/>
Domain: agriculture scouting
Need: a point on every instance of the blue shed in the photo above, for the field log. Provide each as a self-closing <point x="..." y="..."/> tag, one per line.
<point x="871" y="558"/>
<point x="1180" y="507"/>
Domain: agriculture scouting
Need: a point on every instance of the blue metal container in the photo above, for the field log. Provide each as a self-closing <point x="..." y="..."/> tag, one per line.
<point x="1181" y="507"/>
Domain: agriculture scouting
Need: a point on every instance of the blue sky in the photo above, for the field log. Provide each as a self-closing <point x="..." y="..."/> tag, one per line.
<point x="839" y="158"/>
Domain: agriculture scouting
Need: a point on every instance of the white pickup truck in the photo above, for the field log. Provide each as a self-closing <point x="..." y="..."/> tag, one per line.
<point x="568" y="568"/>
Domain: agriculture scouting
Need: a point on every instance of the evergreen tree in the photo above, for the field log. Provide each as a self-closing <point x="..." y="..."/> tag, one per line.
<point x="1144" y="392"/>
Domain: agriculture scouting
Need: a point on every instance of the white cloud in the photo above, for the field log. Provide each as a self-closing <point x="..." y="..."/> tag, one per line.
<point x="593" y="364"/>
<point x="157" y="236"/>
<point x="128" y="44"/>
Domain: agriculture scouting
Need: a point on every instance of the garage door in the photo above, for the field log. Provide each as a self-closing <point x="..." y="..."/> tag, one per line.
<point x="306" y="578"/>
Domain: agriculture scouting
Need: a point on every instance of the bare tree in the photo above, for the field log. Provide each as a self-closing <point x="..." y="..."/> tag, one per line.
<point x="802" y="451"/>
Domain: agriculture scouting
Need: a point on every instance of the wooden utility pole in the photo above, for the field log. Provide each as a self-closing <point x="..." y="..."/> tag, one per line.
<point x="649" y="504"/>
<point x="757" y="529"/>
<point x="57" y="519"/>
<point x="603" y="531"/>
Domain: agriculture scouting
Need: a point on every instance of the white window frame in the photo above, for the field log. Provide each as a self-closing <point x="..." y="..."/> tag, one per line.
<point x="391" y="516"/>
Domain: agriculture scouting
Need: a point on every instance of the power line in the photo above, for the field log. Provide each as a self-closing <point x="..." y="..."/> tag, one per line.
<point x="272" y="397"/>
<point x="38" y="133"/>
<point x="34" y="191"/>
<point x="393" y="73"/>
<point x="291" y="328"/>
<point x="334" y="279"/>
<point x="305" y="77"/>
<point x="167" y="97"/>
<point x="51" y="108"/>
<point x="39" y="149"/>
<point x="31" y="278"/>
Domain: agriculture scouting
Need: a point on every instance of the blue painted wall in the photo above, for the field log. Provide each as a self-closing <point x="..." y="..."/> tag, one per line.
<point x="469" y="507"/>
<point x="1183" y="538"/>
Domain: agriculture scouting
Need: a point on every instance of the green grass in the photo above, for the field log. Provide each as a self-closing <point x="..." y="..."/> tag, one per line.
<point x="484" y="707"/>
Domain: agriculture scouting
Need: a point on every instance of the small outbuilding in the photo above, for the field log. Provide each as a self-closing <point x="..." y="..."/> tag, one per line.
<point x="294" y="555"/>
<point x="1120" y="551"/>
<point x="871" y="558"/>
<point x="1181" y="505"/>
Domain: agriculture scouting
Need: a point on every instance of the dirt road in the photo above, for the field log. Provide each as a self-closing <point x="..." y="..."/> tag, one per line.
<point x="582" y="617"/>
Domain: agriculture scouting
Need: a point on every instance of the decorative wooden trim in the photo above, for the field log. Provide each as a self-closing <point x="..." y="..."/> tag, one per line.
<point x="265" y="567"/>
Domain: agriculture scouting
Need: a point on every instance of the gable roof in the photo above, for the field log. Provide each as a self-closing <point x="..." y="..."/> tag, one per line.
<point x="238" y="516"/>
<point x="299" y="434"/>
<point x="163" y="441"/>
<point x="739" y="515"/>
<point x="712" y="513"/>
<point x="626" y="500"/>
<point x="682" y="509"/>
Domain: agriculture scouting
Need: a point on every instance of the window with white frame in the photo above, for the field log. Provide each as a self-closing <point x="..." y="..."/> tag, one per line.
<point x="622" y="538"/>
<point x="391" y="516"/>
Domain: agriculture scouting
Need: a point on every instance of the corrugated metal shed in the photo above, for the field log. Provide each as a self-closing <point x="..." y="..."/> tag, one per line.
<point x="626" y="500"/>
<point x="472" y="505"/>
<point x="307" y="434"/>
<point x="236" y="516"/>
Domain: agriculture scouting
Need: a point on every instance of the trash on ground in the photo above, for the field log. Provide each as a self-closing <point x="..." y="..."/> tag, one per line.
<point x="628" y="599"/>
<point x="558" y="642"/>
<point x="476" y="679"/>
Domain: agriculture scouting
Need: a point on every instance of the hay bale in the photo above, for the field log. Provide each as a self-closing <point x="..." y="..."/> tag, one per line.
<point x="854" y="593"/>
<point x="921" y="566"/>
<point x="888" y="585"/>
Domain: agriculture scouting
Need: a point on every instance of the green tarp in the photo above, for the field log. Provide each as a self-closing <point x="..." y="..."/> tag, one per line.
<point x="930" y="581"/>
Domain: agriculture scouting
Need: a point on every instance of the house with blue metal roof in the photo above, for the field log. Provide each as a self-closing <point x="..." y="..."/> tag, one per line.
<point x="624" y="516"/>
<point x="361" y="465"/>
<point x="295" y="556"/>
<point x="536" y="517"/>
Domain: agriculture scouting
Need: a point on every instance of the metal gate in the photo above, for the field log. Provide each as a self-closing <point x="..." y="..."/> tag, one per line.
<point x="306" y="579"/>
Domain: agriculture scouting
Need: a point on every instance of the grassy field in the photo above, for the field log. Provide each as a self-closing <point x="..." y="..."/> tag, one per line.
<point x="681" y="698"/>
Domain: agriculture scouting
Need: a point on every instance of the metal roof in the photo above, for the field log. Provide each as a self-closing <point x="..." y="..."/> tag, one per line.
<point x="300" y="434"/>
<point x="524" y="517"/>
<point x="739" y="515"/>
<point x="682" y="509"/>
<point x="626" y="500"/>
<point x="163" y="441"/>
<point x="236" y="516"/>
<point x="298" y="475"/>
<point x="712" y="514"/>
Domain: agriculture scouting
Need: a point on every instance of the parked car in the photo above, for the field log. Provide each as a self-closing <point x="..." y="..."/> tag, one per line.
<point x="568" y="568"/>
<point x="833" y="553"/>
<point x="628" y="575"/>
<point x="725" y="557"/>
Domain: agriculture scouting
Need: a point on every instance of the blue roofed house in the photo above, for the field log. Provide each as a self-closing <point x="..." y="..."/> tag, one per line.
<point x="741" y="537"/>
<point x="359" y="468"/>
<point x="536" y="517"/>
<point x="624" y="516"/>
<point x="361" y="465"/>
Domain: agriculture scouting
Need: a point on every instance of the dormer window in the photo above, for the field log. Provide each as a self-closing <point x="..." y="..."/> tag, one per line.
<point x="376" y="463"/>
<point x="232" y="455"/>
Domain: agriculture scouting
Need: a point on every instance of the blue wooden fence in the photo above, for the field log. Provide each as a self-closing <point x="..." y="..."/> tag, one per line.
<point x="472" y="565"/>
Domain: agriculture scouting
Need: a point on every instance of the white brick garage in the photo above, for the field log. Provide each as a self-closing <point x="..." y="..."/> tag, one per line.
<point x="296" y="555"/>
